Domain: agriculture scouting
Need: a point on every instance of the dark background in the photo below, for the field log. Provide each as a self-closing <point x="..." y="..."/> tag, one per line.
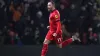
<point x="24" y="22"/>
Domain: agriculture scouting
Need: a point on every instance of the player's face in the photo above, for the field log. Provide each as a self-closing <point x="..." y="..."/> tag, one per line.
<point x="49" y="6"/>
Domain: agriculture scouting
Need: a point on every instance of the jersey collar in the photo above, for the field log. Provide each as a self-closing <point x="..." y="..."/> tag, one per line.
<point x="53" y="10"/>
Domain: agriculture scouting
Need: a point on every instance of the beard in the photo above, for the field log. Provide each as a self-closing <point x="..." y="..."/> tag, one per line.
<point x="49" y="10"/>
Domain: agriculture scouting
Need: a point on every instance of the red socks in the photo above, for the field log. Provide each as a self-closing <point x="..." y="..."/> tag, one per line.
<point x="45" y="46"/>
<point x="66" y="42"/>
<point x="44" y="49"/>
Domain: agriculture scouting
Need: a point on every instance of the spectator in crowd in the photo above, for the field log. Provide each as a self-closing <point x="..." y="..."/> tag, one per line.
<point x="92" y="37"/>
<point x="2" y="17"/>
<point x="17" y="12"/>
<point x="96" y="26"/>
<point x="29" y="20"/>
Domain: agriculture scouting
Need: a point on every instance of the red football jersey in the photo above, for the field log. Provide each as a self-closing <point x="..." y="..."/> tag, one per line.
<point x="54" y="20"/>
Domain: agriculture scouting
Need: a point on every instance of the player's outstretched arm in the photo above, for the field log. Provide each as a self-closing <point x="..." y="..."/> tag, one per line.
<point x="58" y="27"/>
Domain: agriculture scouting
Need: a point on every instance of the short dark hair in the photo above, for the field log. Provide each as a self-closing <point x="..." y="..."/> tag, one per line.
<point x="52" y="2"/>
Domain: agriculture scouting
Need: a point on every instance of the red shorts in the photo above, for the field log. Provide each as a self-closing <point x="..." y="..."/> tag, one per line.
<point x="58" y="38"/>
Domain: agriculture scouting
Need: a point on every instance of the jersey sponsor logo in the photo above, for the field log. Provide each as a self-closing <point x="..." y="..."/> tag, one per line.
<point x="56" y="16"/>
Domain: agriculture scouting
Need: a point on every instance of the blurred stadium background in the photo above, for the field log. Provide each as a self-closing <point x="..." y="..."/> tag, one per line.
<point x="24" y="22"/>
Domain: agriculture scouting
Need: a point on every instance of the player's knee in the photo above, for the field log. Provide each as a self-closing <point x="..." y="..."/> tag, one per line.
<point x="46" y="41"/>
<point x="60" y="45"/>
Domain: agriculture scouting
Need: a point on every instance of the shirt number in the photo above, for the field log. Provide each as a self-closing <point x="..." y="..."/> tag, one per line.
<point x="59" y="39"/>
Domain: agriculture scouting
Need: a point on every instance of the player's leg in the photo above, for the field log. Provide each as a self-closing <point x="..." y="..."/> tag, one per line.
<point x="45" y="47"/>
<point x="62" y="44"/>
<point x="65" y="43"/>
<point x="46" y="42"/>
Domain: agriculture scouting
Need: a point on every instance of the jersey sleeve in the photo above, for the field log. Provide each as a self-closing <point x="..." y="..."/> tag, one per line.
<point x="57" y="21"/>
<point x="56" y="17"/>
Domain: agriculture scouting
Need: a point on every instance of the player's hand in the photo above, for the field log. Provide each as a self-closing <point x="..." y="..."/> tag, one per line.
<point x="54" y="34"/>
<point x="48" y="27"/>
